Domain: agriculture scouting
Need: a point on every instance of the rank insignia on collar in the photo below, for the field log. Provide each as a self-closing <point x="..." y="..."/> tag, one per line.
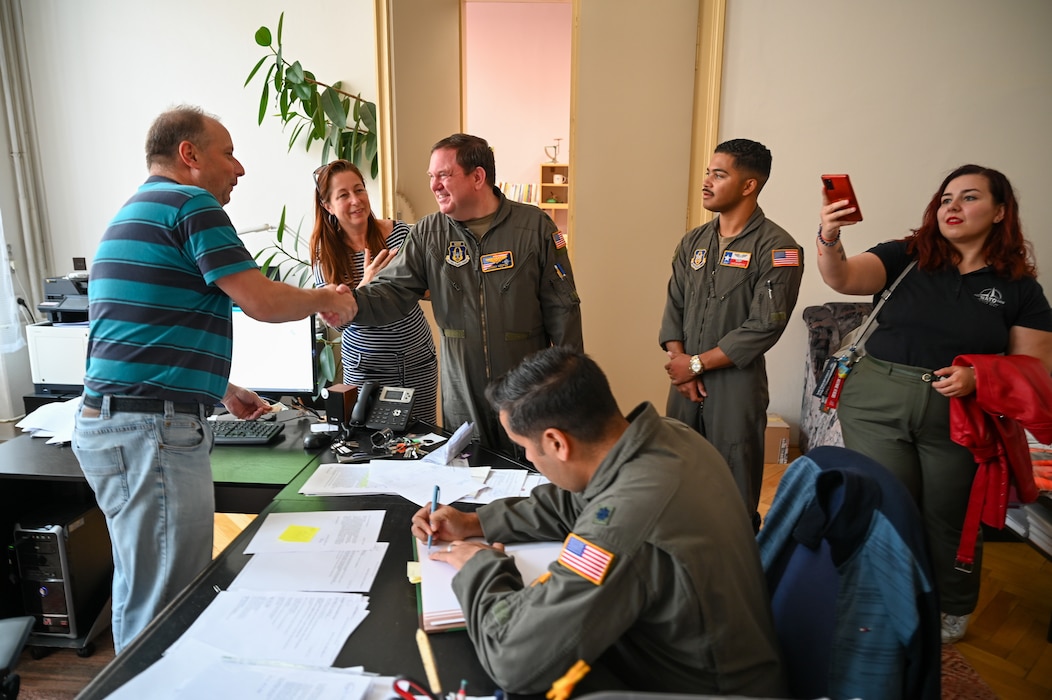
<point x="697" y="261"/>
<point x="458" y="254"/>
<point x="603" y="515"/>
<point x="497" y="261"/>
<point x="734" y="258"/>
<point x="585" y="559"/>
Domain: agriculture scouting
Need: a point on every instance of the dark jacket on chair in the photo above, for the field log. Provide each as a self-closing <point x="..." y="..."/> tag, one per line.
<point x="852" y="591"/>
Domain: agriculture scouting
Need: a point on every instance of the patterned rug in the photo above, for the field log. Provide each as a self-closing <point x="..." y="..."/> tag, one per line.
<point x="959" y="680"/>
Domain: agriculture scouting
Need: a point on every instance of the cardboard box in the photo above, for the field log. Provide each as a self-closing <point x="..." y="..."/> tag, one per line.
<point x="776" y="440"/>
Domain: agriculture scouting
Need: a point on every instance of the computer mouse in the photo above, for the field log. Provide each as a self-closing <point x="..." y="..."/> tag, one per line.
<point x="316" y="441"/>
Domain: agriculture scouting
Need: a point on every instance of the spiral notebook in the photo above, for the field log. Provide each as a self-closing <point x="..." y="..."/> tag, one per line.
<point x="439" y="608"/>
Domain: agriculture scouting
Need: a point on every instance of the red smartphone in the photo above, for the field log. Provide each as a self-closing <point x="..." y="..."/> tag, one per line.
<point x="838" y="187"/>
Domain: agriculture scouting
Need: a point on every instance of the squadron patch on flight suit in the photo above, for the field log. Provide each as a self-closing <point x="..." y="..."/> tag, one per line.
<point x="458" y="254"/>
<point x="497" y="261"/>
<point x="585" y="559"/>
<point x="735" y="258"/>
<point x="697" y="261"/>
<point x="603" y="515"/>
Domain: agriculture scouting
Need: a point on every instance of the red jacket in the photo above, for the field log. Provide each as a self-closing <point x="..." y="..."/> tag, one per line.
<point x="1012" y="393"/>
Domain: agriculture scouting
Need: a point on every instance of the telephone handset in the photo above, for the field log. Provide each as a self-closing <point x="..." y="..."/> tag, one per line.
<point x="380" y="407"/>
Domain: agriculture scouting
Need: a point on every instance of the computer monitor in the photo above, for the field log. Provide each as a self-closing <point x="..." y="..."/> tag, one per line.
<point x="274" y="359"/>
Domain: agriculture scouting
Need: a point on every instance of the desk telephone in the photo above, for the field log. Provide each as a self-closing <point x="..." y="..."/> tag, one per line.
<point x="380" y="407"/>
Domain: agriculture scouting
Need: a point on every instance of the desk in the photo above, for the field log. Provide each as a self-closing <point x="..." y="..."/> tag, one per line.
<point x="247" y="477"/>
<point x="384" y="643"/>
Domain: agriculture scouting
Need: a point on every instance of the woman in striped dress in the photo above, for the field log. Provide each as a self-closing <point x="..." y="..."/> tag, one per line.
<point x="350" y="245"/>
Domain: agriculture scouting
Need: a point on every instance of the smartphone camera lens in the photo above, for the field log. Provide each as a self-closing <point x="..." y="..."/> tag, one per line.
<point x="829" y="183"/>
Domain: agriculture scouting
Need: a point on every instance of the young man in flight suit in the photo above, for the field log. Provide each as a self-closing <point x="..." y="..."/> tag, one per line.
<point x="658" y="585"/>
<point x="735" y="281"/>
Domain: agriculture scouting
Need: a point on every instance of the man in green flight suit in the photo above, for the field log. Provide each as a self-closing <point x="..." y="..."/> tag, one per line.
<point x="500" y="281"/>
<point x="734" y="283"/>
<point x="658" y="584"/>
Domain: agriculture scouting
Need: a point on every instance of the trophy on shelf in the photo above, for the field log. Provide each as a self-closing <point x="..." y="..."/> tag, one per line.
<point x="553" y="151"/>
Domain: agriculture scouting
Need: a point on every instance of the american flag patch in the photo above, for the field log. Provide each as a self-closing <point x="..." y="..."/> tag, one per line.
<point x="581" y="556"/>
<point x="785" y="257"/>
<point x="560" y="240"/>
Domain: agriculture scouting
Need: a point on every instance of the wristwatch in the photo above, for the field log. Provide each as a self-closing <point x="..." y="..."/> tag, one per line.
<point x="696" y="365"/>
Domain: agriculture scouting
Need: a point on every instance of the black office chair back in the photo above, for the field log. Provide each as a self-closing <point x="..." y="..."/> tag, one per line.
<point x="14" y="632"/>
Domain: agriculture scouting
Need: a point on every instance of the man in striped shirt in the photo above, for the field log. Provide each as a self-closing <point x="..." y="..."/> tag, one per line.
<point x="159" y="346"/>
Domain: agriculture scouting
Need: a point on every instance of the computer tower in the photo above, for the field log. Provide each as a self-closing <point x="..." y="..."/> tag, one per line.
<point x="65" y="568"/>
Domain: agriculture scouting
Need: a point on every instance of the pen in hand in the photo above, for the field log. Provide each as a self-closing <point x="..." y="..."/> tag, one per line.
<point x="434" y="507"/>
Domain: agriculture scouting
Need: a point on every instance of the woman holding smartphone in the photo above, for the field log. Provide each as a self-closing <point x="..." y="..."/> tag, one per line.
<point x="351" y="245"/>
<point x="973" y="291"/>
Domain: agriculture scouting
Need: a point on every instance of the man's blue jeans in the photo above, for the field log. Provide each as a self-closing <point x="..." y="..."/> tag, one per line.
<point x="153" y="480"/>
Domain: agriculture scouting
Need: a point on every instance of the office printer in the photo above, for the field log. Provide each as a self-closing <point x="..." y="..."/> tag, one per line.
<point x="58" y="347"/>
<point x="65" y="298"/>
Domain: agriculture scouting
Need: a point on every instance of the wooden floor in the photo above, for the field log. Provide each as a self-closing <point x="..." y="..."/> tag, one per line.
<point x="1005" y="642"/>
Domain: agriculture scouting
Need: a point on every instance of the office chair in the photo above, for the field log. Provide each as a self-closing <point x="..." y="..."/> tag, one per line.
<point x="852" y="590"/>
<point x="14" y="632"/>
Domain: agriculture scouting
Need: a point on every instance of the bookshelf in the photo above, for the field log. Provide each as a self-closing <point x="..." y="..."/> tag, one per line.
<point x="559" y="209"/>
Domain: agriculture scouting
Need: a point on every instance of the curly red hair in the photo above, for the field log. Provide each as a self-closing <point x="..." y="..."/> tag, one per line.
<point x="1005" y="249"/>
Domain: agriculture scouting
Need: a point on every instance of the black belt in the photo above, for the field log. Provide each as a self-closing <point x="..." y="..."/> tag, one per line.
<point x="130" y="404"/>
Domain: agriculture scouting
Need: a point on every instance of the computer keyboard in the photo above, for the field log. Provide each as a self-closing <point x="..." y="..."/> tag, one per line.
<point x="245" y="432"/>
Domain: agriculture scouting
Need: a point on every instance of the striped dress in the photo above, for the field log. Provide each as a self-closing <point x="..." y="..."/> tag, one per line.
<point x="397" y="354"/>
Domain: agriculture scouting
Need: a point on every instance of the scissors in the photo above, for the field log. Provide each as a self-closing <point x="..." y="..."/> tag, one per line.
<point x="410" y="689"/>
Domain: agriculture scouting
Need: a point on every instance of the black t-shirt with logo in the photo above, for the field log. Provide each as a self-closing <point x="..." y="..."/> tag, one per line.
<point x="932" y="317"/>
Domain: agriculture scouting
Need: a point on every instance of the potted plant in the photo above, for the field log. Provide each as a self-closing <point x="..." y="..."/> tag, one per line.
<point x="315" y="113"/>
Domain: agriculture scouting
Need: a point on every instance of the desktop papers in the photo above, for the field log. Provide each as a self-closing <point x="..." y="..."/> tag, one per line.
<point x="52" y="420"/>
<point x="201" y="672"/>
<point x="439" y="608"/>
<point x="317" y="532"/>
<point x="312" y="571"/>
<point x="290" y="627"/>
<point x="413" y="480"/>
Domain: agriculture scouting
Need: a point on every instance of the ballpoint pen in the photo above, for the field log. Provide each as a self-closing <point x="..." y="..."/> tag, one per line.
<point x="434" y="507"/>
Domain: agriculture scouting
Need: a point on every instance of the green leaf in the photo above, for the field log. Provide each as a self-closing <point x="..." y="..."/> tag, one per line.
<point x="281" y="226"/>
<point x="263" y="36"/>
<point x="264" y="100"/>
<point x="265" y="267"/>
<point x="295" y="133"/>
<point x="281" y="21"/>
<point x="330" y="103"/>
<point x="327" y="363"/>
<point x="295" y="73"/>
<point x="376" y="168"/>
<point x="368" y="116"/>
<point x="254" y="71"/>
<point x="370" y="145"/>
<point x="303" y="93"/>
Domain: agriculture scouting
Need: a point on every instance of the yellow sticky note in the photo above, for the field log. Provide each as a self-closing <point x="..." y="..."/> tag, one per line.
<point x="298" y="533"/>
<point x="412" y="571"/>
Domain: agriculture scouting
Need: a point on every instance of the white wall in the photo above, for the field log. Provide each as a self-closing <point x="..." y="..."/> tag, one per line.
<point x="102" y="70"/>
<point x="896" y="93"/>
<point x="631" y="159"/>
